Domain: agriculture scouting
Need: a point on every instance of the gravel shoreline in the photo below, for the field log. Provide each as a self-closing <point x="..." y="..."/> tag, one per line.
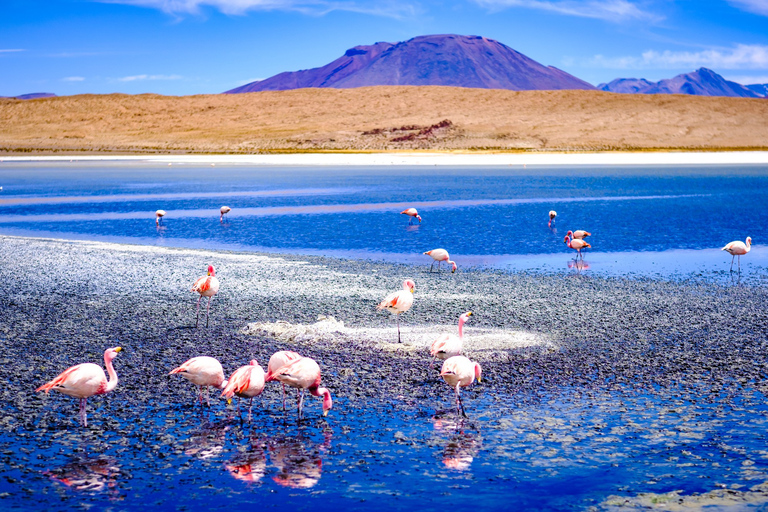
<point x="66" y="301"/>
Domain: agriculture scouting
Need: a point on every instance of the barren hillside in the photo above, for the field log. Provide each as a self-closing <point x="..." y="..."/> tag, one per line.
<point x="381" y="118"/>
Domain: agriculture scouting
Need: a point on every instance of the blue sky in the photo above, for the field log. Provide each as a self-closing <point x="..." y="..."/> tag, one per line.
<point x="181" y="47"/>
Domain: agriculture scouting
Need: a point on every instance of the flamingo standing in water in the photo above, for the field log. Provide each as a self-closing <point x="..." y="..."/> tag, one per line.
<point x="738" y="248"/>
<point x="552" y="215"/>
<point x="224" y="210"/>
<point x="412" y="213"/>
<point x="203" y="371"/>
<point x="579" y="233"/>
<point x="159" y="214"/>
<point x="245" y="382"/>
<point x="399" y="302"/>
<point x="459" y="372"/>
<point x="449" y="345"/>
<point x="440" y="255"/>
<point x="85" y="380"/>
<point x="206" y="286"/>
<point x="576" y="244"/>
<point x="277" y="361"/>
<point x="304" y="374"/>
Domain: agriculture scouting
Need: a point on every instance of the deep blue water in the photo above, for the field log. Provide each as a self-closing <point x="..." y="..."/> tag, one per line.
<point x="481" y="216"/>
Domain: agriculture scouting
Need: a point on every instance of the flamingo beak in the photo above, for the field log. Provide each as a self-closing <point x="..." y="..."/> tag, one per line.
<point x="325" y="413"/>
<point x="118" y="349"/>
<point x="229" y="401"/>
<point x="480" y="379"/>
<point x="469" y="313"/>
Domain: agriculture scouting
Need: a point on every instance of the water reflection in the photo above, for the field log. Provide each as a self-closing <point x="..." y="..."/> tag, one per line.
<point x="578" y="264"/>
<point x="463" y="444"/>
<point x="208" y="441"/>
<point x="250" y="466"/>
<point x="91" y="474"/>
<point x="299" y="461"/>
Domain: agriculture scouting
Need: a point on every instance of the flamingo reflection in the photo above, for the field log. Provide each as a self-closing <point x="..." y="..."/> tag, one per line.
<point x="250" y="466"/>
<point x="91" y="474"/>
<point x="578" y="264"/>
<point x="299" y="462"/>
<point x="208" y="441"/>
<point x="462" y="446"/>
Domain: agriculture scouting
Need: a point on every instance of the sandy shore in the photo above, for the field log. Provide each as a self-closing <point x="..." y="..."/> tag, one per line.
<point x="430" y="159"/>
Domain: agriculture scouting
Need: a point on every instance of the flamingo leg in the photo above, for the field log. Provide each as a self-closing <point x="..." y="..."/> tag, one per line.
<point x="459" y="404"/>
<point x="431" y="266"/>
<point x="250" y="410"/>
<point x="398" y="328"/>
<point x="283" y="396"/>
<point x="301" y="401"/>
<point x="83" y="417"/>
<point x="739" y="260"/>
<point x="732" y="258"/>
<point x="200" y="389"/>
<point x="197" y="315"/>
<point x="208" y="395"/>
<point x="207" y="310"/>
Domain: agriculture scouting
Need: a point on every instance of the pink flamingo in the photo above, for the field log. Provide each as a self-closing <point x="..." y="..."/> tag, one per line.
<point x="304" y="374"/>
<point x="399" y="302"/>
<point x="576" y="244"/>
<point x="206" y="286"/>
<point x="440" y="255"/>
<point x="203" y="371"/>
<point x="449" y="345"/>
<point x="245" y="382"/>
<point x="459" y="372"/>
<point x="738" y="248"/>
<point x="85" y="380"/>
<point x="552" y="215"/>
<point x="277" y="361"/>
<point x="159" y="214"/>
<point x="579" y="233"/>
<point x="224" y="210"/>
<point x="412" y="213"/>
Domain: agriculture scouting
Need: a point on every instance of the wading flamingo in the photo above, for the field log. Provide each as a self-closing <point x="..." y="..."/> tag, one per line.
<point x="576" y="244"/>
<point x="412" y="213"/>
<point x="579" y="233"/>
<point x="449" y="345"/>
<point x="245" y="382"/>
<point x="399" y="302"/>
<point x="738" y="248"/>
<point x="85" y="380"/>
<point x="304" y="374"/>
<point x="206" y="286"/>
<point x="440" y="255"/>
<point x="552" y="215"/>
<point x="159" y="214"/>
<point x="459" y="372"/>
<point x="277" y="361"/>
<point x="224" y="210"/>
<point x="203" y="371"/>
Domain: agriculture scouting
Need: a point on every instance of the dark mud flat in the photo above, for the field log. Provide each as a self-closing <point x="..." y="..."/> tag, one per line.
<point x="625" y="392"/>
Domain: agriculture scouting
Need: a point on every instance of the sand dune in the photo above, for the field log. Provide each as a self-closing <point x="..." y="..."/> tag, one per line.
<point x="381" y="118"/>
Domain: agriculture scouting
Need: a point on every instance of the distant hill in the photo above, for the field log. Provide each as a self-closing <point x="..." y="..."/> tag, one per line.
<point x="759" y="89"/>
<point x="702" y="82"/>
<point x="32" y="96"/>
<point x="447" y="60"/>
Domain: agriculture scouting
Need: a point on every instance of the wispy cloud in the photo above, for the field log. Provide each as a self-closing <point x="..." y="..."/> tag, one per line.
<point x="753" y="6"/>
<point x="12" y="50"/>
<point x="135" y="78"/>
<point x="743" y="56"/>
<point x="73" y="79"/>
<point x="610" y="10"/>
<point x="388" y="8"/>
<point x="748" y="80"/>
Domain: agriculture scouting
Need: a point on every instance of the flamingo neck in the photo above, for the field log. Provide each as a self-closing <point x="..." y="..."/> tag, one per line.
<point x="749" y="244"/>
<point x="112" y="383"/>
<point x="327" y="401"/>
<point x="462" y="320"/>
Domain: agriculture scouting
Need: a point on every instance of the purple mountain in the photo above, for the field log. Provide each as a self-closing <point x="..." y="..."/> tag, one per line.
<point x="759" y="89"/>
<point x="702" y="82"/>
<point x="452" y="60"/>
<point x="32" y="96"/>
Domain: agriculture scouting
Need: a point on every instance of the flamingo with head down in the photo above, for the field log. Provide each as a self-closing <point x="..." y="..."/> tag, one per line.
<point x="552" y="215"/>
<point x="278" y="360"/>
<point x="85" y="380"/>
<point x="412" y="213"/>
<point x="159" y="214"/>
<point x="224" y="210"/>
<point x="399" y="302"/>
<point x="449" y="345"/>
<point x="245" y="382"/>
<point x="203" y="371"/>
<point x="304" y="374"/>
<point x="440" y="255"/>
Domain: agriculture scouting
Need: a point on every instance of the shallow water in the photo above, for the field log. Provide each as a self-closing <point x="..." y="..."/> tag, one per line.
<point x="488" y="216"/>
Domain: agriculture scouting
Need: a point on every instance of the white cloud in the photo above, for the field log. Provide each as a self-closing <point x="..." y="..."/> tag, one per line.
<point x="135" y="78"/>
<point x="73" y="79"/>
<point x="12" y="51"/>
<point x="250" y="80"/>
<point x="743" y="56"/>
<point x="610" y="10"/>
<point x="753" y="6"/>
<point x="389" y="8"/>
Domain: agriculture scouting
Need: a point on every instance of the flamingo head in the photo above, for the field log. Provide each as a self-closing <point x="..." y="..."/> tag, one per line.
<point x="569" y="233"/>
<point x="552" y="214"/>
<point x="454" y="267"/>
<point x="478" y="373"/>
<point x="567" y="239"/>
<point x="254" y="362"/>
<point x="465" y="316"/>
<point x="111" y="353"/>
<point x="409" y="285"/>
<point x="211" y="270"/>
<point x="418" y="217"/>
<point x="749" y="240"/>
<point x="327" y="401"/>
